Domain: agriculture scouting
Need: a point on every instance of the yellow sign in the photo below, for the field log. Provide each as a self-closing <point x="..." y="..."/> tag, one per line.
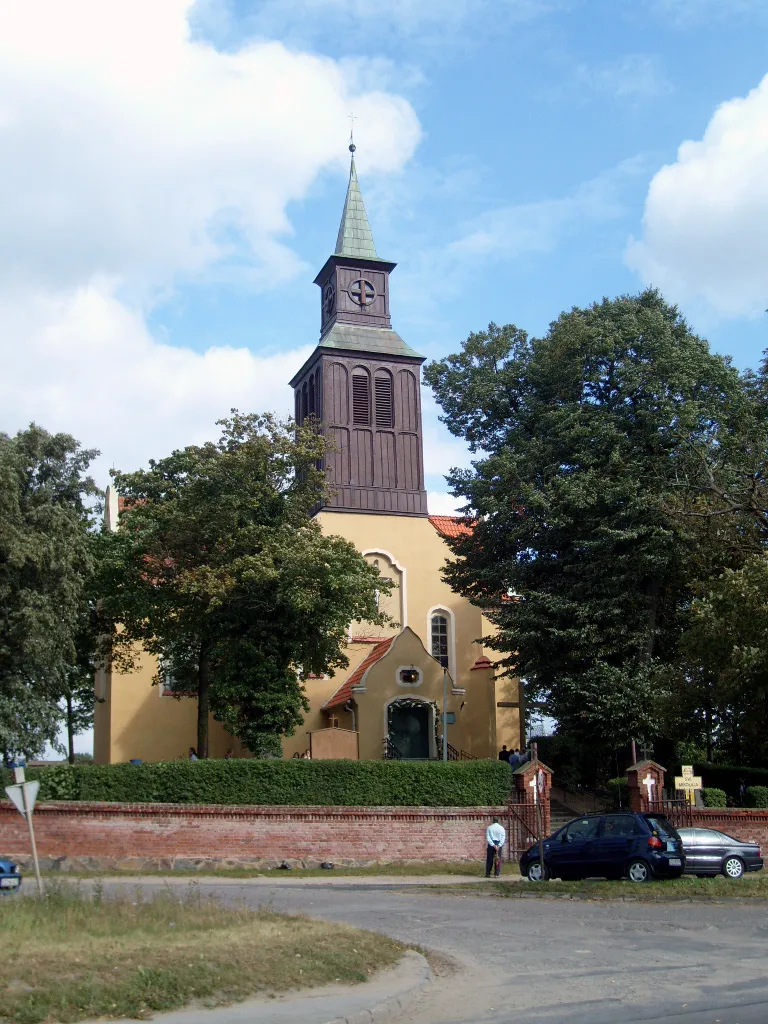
<point x="688" y="782"/>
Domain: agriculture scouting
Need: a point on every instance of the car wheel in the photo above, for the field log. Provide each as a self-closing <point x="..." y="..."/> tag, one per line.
<point x="535" y="873"/>
<point x="638" y="871"/>
<point x="733" y="867"/>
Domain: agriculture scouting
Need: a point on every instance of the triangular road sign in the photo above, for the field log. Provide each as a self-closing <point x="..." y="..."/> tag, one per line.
<point x="16" y="795"/>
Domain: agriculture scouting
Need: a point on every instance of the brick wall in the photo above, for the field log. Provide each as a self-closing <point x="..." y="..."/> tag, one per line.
<point x="742" y="823"/>
<point x="167" y="836"/>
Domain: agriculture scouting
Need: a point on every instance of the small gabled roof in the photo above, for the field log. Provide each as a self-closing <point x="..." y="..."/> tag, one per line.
<point x="344" y="692"/>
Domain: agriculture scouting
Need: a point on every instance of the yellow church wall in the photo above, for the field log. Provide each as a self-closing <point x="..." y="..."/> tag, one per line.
<point x="510" y="720"/>
<point x="382" y="687"/>
<point x="146" y="724"/>
<point x="418" y="552"/>
<point x="136" y="721"/>
<point x="417" y="547"/>
<point x="318" y="692"/>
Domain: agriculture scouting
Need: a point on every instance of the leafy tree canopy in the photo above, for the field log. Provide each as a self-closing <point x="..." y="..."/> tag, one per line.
<point x="219" y="569"/>
<point x="580" y="437"/>
<point x="46" y="561"/>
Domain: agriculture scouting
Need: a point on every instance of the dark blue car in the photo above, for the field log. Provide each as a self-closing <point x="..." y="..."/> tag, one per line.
<point x="625" y="844"/>
<point x="10" y="879"/>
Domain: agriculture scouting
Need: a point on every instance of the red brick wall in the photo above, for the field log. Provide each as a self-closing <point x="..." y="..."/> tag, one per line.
<point x="745" y="824"/>
<point x="164" y="836"/>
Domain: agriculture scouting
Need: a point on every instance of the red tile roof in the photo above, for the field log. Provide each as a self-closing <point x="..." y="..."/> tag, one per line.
<point x="451" y="526"/>
<point x="344" y="692"/>
<point x="482" y="662"/>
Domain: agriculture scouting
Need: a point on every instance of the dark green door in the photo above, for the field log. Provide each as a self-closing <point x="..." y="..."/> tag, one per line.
<point x="409" y="729"/>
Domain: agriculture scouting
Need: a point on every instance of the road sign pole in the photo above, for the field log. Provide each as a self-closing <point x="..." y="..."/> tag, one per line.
<point x="28" y="816"/>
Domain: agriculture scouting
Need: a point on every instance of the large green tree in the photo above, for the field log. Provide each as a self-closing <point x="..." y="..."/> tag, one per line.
<point x="46" y="562"/>
<point x="719" y="688"/>
<point x="579" y="437"/>
<point x="220" y="570"/>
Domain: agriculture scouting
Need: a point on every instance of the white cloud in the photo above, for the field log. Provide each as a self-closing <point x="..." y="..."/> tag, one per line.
<point x="87" y="365"/>
<point x="512" y="232"/>
<point x="132" y="158"/>
<point x="441" y="504"/>
<point x="704" y="229"/>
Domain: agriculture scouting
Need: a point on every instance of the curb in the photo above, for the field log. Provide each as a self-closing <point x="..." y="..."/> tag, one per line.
<point x="390" y="1008"/>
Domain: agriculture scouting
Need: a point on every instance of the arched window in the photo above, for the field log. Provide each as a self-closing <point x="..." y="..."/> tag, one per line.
<point x="304" y="402"/>
<point x="440" y="639"/>
<point x="312" y="395"/>
<point x="361" y="399"/>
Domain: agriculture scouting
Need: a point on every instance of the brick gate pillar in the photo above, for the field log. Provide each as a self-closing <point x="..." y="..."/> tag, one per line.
<point x="524" y="786"/>
<point x="646" y="784"/>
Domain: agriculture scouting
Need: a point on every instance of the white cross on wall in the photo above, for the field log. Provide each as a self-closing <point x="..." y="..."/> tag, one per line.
<point x="535" y="789"/>
<point x="649" y="782"/>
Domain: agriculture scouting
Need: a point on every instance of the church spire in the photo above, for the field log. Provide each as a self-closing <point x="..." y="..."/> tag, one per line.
<point x="355" y="238"/>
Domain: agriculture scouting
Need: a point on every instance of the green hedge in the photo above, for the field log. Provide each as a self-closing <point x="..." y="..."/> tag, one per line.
<point x="713" y="797"/>
<point x="757" y="796"/>
<point x="293" y="782"/>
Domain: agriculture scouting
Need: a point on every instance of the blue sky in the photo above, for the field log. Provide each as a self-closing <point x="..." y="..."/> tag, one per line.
<point x="543" y="125"/>
<point x="174" y="176"/>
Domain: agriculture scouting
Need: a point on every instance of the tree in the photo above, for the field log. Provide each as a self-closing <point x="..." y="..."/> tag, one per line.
<point x="724" y="477"/>
<point x="720" y="687"/>
<point x="580" y="437"/>
<point x="219" y="569"/>
<point x="46" y="562"/>
<point x="718" y="690"/>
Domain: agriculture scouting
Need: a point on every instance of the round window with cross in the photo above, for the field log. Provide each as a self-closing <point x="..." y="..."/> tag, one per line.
<point x="362" y="292"/>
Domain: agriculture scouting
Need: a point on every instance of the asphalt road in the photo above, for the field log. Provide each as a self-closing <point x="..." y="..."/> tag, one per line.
<point x="554" y="961"/>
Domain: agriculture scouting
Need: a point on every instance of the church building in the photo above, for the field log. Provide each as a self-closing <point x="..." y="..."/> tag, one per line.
<point x="362" y="384"/>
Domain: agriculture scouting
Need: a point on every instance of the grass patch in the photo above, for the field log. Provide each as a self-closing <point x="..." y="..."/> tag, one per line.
<point x="76" y="955"/>
<point x="753" y="886"/>
<point x="468" y="870"/>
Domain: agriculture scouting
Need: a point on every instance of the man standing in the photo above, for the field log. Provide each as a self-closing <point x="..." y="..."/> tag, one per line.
<point x="494" y="841"/>
<point x="504" y="753"/>
<point x="514" y="758"/>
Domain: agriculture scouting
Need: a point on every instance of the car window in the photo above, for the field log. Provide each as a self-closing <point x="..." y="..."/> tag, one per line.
<point x="662" y="826"/>
<point x="618" y="825"/>
<point x="722" y="838"/>
<point x="582" y="828"/>
<point x="690" y="836"/>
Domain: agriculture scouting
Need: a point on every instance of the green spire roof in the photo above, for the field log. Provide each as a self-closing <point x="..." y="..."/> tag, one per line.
<point x="355" y="238"/>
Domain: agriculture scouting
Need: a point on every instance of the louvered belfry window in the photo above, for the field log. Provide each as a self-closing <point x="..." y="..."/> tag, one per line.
<point x="382" y="387"/>
<point x="361" y="399"/>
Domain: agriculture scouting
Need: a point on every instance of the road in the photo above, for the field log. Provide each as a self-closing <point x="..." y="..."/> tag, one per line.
<point x="555" y="961"/>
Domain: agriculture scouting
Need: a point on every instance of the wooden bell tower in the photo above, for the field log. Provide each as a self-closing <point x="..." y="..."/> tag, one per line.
<point x="362" y="382"/>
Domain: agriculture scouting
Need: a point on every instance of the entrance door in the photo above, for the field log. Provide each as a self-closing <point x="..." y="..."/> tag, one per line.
<point x="409" y="728"/>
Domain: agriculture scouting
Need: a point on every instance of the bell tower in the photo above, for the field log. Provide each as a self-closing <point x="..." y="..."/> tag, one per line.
<point x="362" y="382"/>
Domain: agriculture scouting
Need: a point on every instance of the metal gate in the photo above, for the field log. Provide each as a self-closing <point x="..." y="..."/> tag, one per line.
<point x="522" y="828"/>
<point x="679" y="812"/>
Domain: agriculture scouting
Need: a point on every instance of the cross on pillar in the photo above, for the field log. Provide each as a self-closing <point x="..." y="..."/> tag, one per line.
<point x="535" y="789"/>
<point x="649" y="782"/>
